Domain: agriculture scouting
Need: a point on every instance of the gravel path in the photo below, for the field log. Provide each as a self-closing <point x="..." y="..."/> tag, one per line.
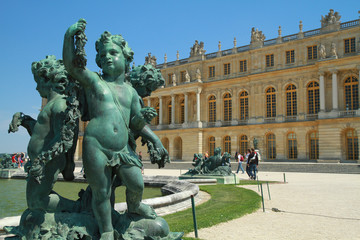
<point x="313" y="206"/>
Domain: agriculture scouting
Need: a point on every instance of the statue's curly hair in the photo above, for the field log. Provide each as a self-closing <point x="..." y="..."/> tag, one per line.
<point x="147" y="77"/>
<point x="51" y="70"/>
<point x="106" y="37"/>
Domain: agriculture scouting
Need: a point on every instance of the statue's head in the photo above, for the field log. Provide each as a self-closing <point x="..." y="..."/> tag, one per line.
<point x="50" y="73"/>
<point x="118" y="40"/>
<point x="217" y="151"/>
<point x="146" y="79"/>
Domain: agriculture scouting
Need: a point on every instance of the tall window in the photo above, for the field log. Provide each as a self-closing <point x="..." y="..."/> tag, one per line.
<point x="227" y="144"/>
<point x="291" y="102"/>
<point x="244" y="105"/>
<point x="243" y="66"/>
<point x="182" y="76"/>
<point x="211" y="146"/>
<point x="271" y="146"/>
<point x="314" y="145"/>
<point x="170" y="78"/>
<point x="292" y="146"/>
<point x="270" y="102"/>
<point x="226" y="68"/>
<point x="269" y="60"/>
<point x="313" y="97"/>
<point x="243" y="144"/>
<point x="182" y="111"/>
<point x="312" y="52"/>
<point x="290" y="56"/>
<point x="349" y="45"/>
<point x="351" y="93"/>
<point x="352" y="145"/>
<point x="212" y="108"/>
<point x="211" y="71"/>
<point x="157" y="118"/>
<point x="169" y="112"/>
<point x="227" y="107"/>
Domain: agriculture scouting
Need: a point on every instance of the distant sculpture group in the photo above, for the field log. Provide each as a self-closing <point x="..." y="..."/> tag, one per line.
<point x="214" y="165"/>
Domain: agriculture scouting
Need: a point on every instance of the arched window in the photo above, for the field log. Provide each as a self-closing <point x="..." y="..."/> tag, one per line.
<point x="169" y="112"/>
<point x="227" y="107"/>
<point x="291" y="101"/>
<point x="352" y="145"/>
<point x="314" y="145"/>
<point x="212" y="108"/>
<point x="157" y="118"/>
<point x="244" y="105"/>
<point x="313" y="97"/>
<point x="351" y="93"/>
<point x="270" y="102"/>
<point x="243" y="144"/>
<point x="227" y="144"/>
<point x="292" y="146"/>
<point x="182" y="111"/>
<point x="211" y="146"/>
<point x="271" y="146"/>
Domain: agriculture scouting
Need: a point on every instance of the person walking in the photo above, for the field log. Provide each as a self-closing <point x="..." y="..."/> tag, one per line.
<point x="247" y="157"/>
<point x="240" y="159"/>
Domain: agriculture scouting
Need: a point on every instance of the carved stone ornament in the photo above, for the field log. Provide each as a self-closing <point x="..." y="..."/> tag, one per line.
<point x="173" y="78"/>
<point x="333" y="51"/>
<point x="187" y="76"/>
<point x="330" y="19"/>
<point x="198" y="74"/>
<point x="322" y="51"/>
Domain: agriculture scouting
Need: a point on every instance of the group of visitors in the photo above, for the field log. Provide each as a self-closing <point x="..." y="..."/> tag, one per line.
<point x="252" y="158"/>
<point x="19" y="159"/>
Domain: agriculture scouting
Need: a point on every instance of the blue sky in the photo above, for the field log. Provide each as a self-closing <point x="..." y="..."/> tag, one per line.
<point x="30" y="30"/>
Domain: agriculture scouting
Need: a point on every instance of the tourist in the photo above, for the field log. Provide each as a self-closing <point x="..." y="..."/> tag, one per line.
<point x="248" y="152"/>
<point x="206" y="155"/>
<point x="240" y="159"/>
<point x="253" y="162"/>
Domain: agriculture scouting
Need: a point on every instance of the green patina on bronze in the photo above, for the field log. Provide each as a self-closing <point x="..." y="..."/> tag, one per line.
<point x="216" y="165"/>
<point x="112" y="103"/>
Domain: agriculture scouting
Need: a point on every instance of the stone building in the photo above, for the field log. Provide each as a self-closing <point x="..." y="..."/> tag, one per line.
<point x="296" y="97"/>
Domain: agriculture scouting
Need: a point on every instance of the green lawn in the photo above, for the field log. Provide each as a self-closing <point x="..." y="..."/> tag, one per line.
<point x="227" y="202"/>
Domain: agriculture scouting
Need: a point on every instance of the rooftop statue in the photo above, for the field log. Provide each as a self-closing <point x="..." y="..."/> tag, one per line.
<point x="214" y="165"/>
<point x="330" y="19"/>
<point x="150" y="60"/>
<point x="256" y="36"/>
<point x="197" y="49"/>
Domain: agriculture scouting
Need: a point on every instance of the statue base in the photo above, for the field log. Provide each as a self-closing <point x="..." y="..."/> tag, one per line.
<point x="231" y="179"/>
<point x="35" y="224"/>
<point x="7" y="172"/>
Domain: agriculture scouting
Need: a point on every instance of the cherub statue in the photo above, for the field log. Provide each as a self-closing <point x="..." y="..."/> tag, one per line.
<point x="114" y="111"/>
<point x="53" y="137"/>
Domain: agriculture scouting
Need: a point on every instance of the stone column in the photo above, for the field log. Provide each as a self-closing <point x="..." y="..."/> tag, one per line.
<point x="186" y="108"/>
<point x="172" y="109"/>
<point x="160" y="110"/>
<point x="149" y="102"/>
<point x="334" y="91"/>
<point x="198" y="105"/>
<point x="322" y="92"/>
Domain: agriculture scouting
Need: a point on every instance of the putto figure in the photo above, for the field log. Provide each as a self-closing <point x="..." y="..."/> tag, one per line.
<point x="53" y="137"/>
<point x="114" y="110"/>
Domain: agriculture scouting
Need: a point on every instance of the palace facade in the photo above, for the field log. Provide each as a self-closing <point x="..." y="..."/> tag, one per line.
<point x="296" y="97"/>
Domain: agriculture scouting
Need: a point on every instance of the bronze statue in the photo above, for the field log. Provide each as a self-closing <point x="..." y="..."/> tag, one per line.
<point x="114" y="112"/>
